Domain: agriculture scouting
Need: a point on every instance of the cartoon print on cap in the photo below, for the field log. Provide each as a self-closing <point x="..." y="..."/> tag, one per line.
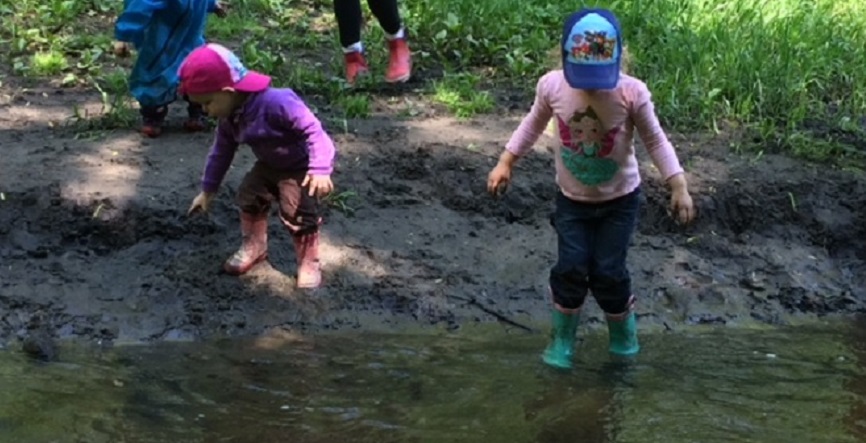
<point x="593" y="45"/>
<point x="593" y="41"/>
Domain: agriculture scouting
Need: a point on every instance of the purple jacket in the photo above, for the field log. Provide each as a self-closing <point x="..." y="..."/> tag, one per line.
<point x="282" y="132"/>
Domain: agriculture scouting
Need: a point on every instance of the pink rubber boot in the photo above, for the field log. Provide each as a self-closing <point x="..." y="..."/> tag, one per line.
<point x="307" y="252"/>
<point x="254" y="249"/>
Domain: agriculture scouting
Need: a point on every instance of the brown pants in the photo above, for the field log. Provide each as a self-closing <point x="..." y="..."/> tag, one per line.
<point x="299" y="211"/>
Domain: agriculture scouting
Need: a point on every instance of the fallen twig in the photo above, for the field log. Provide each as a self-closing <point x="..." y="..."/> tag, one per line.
<point x="499" y="316"/>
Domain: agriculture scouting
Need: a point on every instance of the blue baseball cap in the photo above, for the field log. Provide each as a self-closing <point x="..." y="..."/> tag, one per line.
<point x="591" y="49"/>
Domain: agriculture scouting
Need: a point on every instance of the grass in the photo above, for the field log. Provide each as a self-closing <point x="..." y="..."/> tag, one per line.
<point x="48" y="63"/>
<point x="342" y="201"/>
<point x="786" y="71"/>
<point x="461" y="94"/>
<point x="355" y="105"/>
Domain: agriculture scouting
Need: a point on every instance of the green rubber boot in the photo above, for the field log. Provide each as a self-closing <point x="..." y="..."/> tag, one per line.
<point x="623" y="334"/>
<point x="561" y="348"/>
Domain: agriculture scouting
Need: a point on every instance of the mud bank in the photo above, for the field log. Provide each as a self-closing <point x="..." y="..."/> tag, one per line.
<point x="94" y="243"/>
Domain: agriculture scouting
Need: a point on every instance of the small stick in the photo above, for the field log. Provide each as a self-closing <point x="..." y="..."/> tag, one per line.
<point x="499" y="316"/>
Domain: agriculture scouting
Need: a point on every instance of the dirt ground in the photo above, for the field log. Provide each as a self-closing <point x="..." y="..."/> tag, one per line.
<point x="95" y="244"/>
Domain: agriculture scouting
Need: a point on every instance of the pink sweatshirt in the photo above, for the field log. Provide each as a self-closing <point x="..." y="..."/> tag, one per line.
<point x="595" y="159"/>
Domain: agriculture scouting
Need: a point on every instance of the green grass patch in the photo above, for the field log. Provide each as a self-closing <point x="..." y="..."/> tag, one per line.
<point x="354" y="105"/>
<point x="342" y="202"/>
<point x="116" y="110"/>
<point x="460" y="93"/>
<point x="48" y="63"/>
<point x="786" y="70"/>
<point x="42" y="35"/>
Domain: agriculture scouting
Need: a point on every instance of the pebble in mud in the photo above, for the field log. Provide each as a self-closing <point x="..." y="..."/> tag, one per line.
<point x="40" y="346"/>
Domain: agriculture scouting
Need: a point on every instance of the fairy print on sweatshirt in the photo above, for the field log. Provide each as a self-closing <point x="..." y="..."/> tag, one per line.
<point x="594" y="151"/>
<point x="587" y="147"/>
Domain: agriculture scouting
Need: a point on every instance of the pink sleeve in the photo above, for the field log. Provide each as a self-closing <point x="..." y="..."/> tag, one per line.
<point x="533" y="125"/>
<point x="660" y="149"/>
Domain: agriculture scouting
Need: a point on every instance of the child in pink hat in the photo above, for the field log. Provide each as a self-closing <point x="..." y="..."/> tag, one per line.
<point x="294" y="154"/>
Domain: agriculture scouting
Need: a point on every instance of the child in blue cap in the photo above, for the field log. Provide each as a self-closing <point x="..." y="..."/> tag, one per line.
<point x="596" y="109"/>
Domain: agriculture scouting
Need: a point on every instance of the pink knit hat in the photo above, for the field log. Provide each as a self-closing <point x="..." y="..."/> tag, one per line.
<point x="212" y="67"/>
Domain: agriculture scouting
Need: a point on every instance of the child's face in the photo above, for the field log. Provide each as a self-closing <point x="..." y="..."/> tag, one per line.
<point x="587" y="130"/>
<point x="217" y="104"/>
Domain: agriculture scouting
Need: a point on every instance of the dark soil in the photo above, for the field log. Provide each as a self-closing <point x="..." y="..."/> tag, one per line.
<point x="95" y="244"/>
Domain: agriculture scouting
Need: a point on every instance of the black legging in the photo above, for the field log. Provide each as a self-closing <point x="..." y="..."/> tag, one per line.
<point x="348" y="14"/>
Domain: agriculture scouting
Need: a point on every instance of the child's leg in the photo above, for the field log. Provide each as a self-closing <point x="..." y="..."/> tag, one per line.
<point x="609" y="277"/>
<point x="388" y="15"/>
<point x="153" y="118"/>
<point x="348" y="14"/>
<point x="400" y="59"/>
<point x="568" y="278"/>
<point x="575" y="228"/>
<point x="349" y="20"/>
<point x="195" y="121"/>
<point x="254" y="200"/>
<point x="301" y="214"/>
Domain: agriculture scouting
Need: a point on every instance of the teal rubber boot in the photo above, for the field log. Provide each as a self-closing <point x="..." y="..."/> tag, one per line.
<point x="561" y="348"/>
<point x="623" y="335"/>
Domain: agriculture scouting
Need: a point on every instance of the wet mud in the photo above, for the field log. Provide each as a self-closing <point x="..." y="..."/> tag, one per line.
<point x="95" y="243"/>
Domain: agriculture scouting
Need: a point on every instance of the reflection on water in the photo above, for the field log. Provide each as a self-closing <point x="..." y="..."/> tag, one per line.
<point x="856" y="386"/>
<point x="803" y="384"/>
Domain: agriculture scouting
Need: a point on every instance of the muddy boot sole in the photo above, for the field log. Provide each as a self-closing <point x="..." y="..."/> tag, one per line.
<point x="240" y="270"/>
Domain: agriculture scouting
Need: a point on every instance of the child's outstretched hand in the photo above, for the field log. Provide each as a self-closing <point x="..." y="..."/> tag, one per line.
<point x="500" y="176"/>
<point x="201" y="203"/>
<point x="682" y="207"/>
<point x="121" y="49"/>
<point x="221" y="9"/>
<point x="320" y="185"/>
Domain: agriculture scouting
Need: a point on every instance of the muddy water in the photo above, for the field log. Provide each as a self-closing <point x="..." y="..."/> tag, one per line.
<point x="804" y="384"/>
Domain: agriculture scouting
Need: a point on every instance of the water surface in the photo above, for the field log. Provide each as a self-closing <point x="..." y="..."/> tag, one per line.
<point x="799" y="384"/>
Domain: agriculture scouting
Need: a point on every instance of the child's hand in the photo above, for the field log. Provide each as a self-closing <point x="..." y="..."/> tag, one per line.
<point x="200" y="203"/>
<point x="121" y="49"/>
<point x="221" y="9"/>
<point x="498" y="179"/>
<point x="682" y="206"/>
<point x="320" y="185"/>
<point x="500" y="176"/>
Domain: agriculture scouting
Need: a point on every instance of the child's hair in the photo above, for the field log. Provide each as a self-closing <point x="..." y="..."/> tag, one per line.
<point x="624" y="66"/>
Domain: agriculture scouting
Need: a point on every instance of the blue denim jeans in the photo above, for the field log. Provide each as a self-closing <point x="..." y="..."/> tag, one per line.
<point x="592" y="243"/>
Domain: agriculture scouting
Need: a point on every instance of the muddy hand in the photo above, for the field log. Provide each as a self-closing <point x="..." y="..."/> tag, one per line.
<point x="682" y="207"/>
<point x="201" y="203"/>
<point x="500" y="190"/>
<point x="497" y="181"/>
<point x="121" y="49"/>
<point x="320" y="185"/>
<point x="500" y="176"/>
